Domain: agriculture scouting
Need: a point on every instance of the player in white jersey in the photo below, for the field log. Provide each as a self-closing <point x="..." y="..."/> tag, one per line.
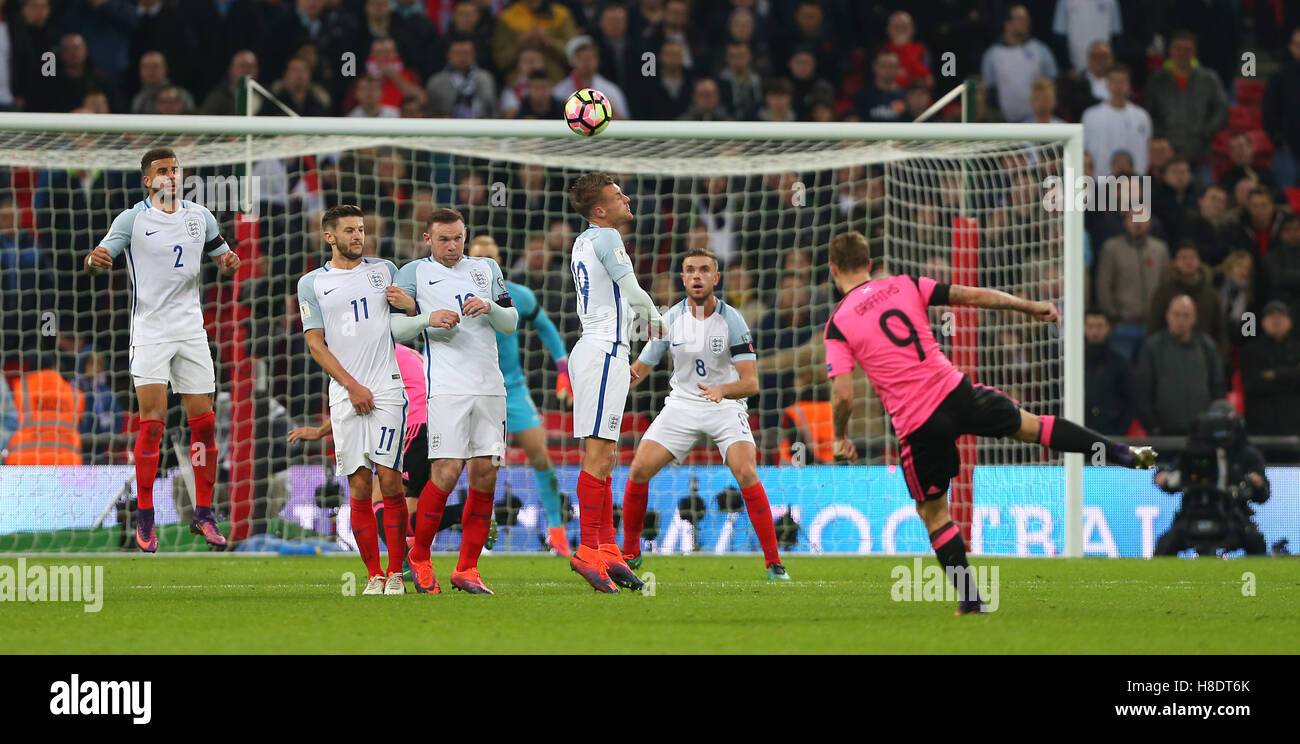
<point x="463" y="303"/>
<point x="607" y="297"/>
<point x="345" y="308"/>
<point x="165" y="238"/>
<point x="714" y="371"/>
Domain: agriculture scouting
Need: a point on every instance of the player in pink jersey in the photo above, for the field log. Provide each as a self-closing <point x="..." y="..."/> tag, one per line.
<point x="883" y="326"/>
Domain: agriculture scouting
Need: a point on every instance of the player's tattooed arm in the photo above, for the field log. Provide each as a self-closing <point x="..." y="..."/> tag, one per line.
<point x="994" y="299"/>
<point x="842" y="401"/>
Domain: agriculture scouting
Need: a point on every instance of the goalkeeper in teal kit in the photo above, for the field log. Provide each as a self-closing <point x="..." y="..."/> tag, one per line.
<point x="521" y="414"/>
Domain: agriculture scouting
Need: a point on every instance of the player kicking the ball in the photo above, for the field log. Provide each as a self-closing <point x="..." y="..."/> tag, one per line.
<point x="165" y="238"/>
<point x="608" y="294"/>
<point x="345" y="307"/>
<point x="464" y="304"/>
<point x="882" y="325"/>
<point x="714" y="371"/>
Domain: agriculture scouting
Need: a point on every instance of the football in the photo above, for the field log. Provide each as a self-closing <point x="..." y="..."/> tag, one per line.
<point x="588" y="112"/>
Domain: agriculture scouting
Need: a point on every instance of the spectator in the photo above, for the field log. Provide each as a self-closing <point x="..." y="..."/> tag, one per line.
<point x="1128" y="271"/>
<point x="1121" y="164"/>
<point x="95" y="102"/>
<point x="162" y="27"/>
<point x="171" y="102"/>
<point x="153" y="78"/>
<point x="718" y="210"/>
<point x="417" y="37"/>
<point x="368" y="91"/>
<point x="786" y="326"/>
<point x="516" y="86"/>
<point x="1014" y="62"/>
<point x="742" y="29"/>
<point x="1179" y="373"/>
<point x="75" y="77"/>
<point x="1108" y="379"/>
<point x="809" y="88"/>
<point x="1271" y="375"/>
<point x="1160" y="153"/>
<point x="913" y="57"/>
<point x="1211" y="226"/>
<point x="1173" y="200"/>
<point x="1280" y="278"/>
<point x="675" y="26"/>
<point x="811" y="29"/>
<point x="1281" y="110"/>
<point x="473" y="19"/>
<point x="778" y="97"/>
<point x="539" y="103"/>
<point x="400" y="82"/>
<point x="1043" y="102"/>
<point x="220" y="29"/>
<point x="918" y="99"/>
<point x="297" y="91"/>
<point x="307" y="22"/>
<point x="1081" y="23"/>
<point x="377" y="23"/>
<point x="24" y="271"/>
<point x="103" y="413"/>
<point x="31" y="34"/>
<point x="1236" y="294"/>
<point x="667" y="94"/>
<point x="739" y="83"/>
<point x="1186" y="275"/>
<point x="1117" y="124"/>
<point x="107" y="27"/>
<point x="1087" y="86"/>
<point x="621" y="55"/>
<point x="882" y="99"/>
<point x="1241" y="151"/>
<point x="530" y="201"/>
<point x="705" y="103"/>
<point x="544" y="23"/>
<point x="985" y="111"/>
<point x="585" y="58"/>
<point x="741" y="292"/>
<point x="463" y="88"/>
<point x="1187" y="104"/>
<point x="1258" y="224"/>
<point x="221" y="101"/>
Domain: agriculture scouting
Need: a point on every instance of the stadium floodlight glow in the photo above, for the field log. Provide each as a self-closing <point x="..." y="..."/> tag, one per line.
<point x="933" y="197"/>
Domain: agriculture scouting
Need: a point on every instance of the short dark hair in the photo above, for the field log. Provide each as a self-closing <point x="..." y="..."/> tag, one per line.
<point x="700" y="253"/>
<point x="539" y="74"/>
<point x="1184" y="245"/>
<point x="1122" y="69"/>
<point x="587" y="190"/>
<point x="1260" y="191"/>
<point x="778" y="86"/>
<point x="1289" y="219"/>
<point x="330" y="219"/>
<point x="154" y="153"/>
<point x="1094" y="310"/>
<point x="1182" y="34"/>
<point x="443" y="216"/>
<point x="850" y="252"/>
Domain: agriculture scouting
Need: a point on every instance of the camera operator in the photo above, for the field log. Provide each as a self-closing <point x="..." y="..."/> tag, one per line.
<point x="1219" y="474"/>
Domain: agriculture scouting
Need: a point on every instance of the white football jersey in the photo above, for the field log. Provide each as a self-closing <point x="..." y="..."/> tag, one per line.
<point x="704" y="350"/>
<point x="462" y="361"/>
<point x="597" y="263"/>
<point x="163" y="254"/>
<point x="351" y="305"/>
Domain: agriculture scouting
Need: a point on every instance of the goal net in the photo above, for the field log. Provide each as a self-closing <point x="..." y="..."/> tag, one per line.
<point x="959" y="203"/>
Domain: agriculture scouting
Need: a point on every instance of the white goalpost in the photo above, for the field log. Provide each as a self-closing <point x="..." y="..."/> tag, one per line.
<point x="960" y="202"/>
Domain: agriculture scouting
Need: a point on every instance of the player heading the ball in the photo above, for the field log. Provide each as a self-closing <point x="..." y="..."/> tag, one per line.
<point x="607" y="297"/>
<point x="714" y="371"/>
<point x="164" y="238"/>
<point x="882" y="325"/>
<point x="345" y="306"/>
<point x="464" y="305"/>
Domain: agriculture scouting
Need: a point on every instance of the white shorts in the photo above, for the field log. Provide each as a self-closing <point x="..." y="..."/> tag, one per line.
<point x="601" y="376"/>
<point x="465" y="426"/>
<point x="679" y="425"/>
<point x="373" y="439"/>
<point x="187" y="365"/>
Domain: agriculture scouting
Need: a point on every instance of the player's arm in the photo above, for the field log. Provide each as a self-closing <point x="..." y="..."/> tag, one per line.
<point x="994" y="299"/>
<point x="215" y="246"/>
<point x="609" y="249"/>
<point x="743" y="388"/>
<point x="554" y="344"/>
<point x="441" y="322"/>
<point x="362" y="399"/>
<point x="398" y="299"/>
<point x="839" y="368"/>
<point x="651" y="353"/>
<point x="312" y="433"/>
<point x="117" y="239"/>
<point x="499" y="309"/>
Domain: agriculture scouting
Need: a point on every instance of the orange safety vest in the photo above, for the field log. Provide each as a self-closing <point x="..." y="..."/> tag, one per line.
<point x="814" y="421"/>
<point x="49" y="418"/>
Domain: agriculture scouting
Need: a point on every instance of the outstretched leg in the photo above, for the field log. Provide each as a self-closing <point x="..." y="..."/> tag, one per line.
<point x="1064" y="435"/>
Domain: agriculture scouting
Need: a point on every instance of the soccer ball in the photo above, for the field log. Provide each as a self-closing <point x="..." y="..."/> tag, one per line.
<point x="588" y="112"/>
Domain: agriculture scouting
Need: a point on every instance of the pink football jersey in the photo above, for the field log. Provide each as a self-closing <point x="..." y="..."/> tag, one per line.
<point x="883" y="326"/>
<point x="411" y="365"/>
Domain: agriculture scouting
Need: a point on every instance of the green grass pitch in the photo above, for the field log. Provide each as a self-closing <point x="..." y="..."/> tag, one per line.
<point x="702" y="604"/>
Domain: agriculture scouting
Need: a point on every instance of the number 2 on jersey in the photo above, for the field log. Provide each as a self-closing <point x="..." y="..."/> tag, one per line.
<point x="179" y="252"/>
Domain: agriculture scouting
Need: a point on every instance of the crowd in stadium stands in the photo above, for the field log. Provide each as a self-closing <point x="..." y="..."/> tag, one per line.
<point x="1189" y="300"/>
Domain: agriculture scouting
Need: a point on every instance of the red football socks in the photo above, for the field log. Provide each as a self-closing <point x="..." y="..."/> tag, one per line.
<point x="428" y="517"/>
<point x="395" y="530"/>
<point x="591" y="501"/>
<point x="607" y="534"/>
<point x="366" y="534"/>
<point x="474" y="522"/>
<point x="146" y="460"/>
<point x="203" y="456"/>
<point x="635" y="496"/>
<point x="760" y="516"/>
